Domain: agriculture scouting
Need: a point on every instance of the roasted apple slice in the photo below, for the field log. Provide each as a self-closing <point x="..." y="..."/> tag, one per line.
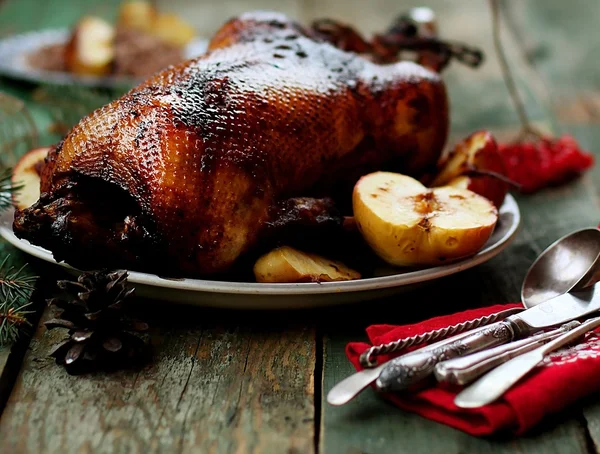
<point x="90" y="51"/>
<point x="137" y="15"/>
<point x="26" y="174"/>
<point x="475" y="164"/>
<point x="171" y="29"/>
<point x="287" y="264"/>
<point x="408" y="224"/>
<point x="168" y="27"/>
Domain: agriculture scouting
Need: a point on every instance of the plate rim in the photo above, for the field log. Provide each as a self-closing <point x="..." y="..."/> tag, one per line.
<point x="304" y="288"/>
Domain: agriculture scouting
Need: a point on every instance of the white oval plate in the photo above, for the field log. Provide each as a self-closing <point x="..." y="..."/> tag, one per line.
<point x="253" y="295"/>
<point x="15" y="49"/>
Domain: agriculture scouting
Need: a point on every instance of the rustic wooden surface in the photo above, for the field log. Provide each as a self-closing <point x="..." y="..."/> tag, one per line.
<point x="213" y="385"/>
<point x="245" y="382"/>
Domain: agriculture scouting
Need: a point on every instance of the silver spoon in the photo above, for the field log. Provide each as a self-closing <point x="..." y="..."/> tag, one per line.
<point x="571" y="263"/>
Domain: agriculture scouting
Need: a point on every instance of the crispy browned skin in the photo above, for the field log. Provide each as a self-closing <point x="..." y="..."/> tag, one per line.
<point x="182" y="174"/>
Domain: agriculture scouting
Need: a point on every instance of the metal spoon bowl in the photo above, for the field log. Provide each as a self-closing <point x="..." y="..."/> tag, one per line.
<point x="570" y="263"/>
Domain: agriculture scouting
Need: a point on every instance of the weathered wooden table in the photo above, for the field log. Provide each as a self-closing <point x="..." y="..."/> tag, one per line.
<point x="245" y="382"/>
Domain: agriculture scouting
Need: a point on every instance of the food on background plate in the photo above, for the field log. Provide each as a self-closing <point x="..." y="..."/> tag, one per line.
<point x="475" y="163"/>
<point x="142" y="41"/>
<point x="287" y="265"/>
<point x="26" y="175"/>
<point x="90" y="49"/>
<point x="409" y="224"/>
<point x="171" y="29"/>
<point x="137" y="15"/>
<point x="144" y="17"/>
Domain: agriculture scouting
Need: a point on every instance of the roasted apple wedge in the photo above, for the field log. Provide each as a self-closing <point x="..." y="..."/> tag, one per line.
<point x="90" y="51"/>
<point x="138" y="15"/>
<point x="144" y="17"/>
<point x="287" y="264"/>
<point x="26" y="174"/>
<point x="475" y="164"/>
<point x="408" y="224"/>
<point x="173" y="30"/>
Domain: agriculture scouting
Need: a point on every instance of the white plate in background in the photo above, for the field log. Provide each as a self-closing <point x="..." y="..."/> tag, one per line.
<point x="15" y="49"/>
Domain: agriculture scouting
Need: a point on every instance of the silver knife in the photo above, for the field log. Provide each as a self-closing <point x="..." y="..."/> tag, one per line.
<point x="351" y="386"/>
<point x="404" y="372"/>
<point x="494" y="384"/>
<point x="465" y="369"/>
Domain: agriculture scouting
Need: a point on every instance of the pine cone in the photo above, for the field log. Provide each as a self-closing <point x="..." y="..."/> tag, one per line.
<point x="100" y="334"/>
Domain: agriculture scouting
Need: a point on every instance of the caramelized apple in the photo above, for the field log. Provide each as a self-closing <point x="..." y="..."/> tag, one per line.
<point x="26" y="173"/>
<point x="475" y="164"/>
<point x="90" y="50"/>
<point x="408" y="224"/>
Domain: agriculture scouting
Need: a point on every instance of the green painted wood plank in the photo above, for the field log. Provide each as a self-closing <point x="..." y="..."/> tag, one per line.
<point x="218" y="382"/>
<point x="561" y="41"/>
<point x="478" y="100"/>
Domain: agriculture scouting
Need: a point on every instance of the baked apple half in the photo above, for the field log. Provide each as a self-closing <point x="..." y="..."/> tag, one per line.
<point x="26" y="175"/>
<point x="409" y="224"/>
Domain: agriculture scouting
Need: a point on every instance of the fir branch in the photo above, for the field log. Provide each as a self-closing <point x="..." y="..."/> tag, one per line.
<point x="15" y="283"/>
<point x="13" y="318"/>
<point x="7" y="189"/>
<point x="16" y="289"/>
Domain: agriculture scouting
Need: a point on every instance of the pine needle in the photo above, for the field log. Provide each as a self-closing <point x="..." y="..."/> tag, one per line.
<point x="15" y="282"/>
<point x="7" y="189"/>
<point x="13" y="318"/>
<point x="16" y="289"/>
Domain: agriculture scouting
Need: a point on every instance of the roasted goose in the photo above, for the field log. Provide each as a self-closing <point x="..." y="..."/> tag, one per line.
<point x="187" y="172"/>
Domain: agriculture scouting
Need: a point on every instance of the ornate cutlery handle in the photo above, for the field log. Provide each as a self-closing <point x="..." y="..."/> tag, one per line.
<point x="465" y="369"/>
<point x="367" y="359"/>
<point x="405" y="371"/>
<point x="496" y="382"/>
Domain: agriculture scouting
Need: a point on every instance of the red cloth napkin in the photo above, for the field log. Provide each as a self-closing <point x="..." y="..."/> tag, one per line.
<point x="564" y="377"/>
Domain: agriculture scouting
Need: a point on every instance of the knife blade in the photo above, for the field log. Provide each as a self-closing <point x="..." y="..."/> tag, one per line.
<point x="495" y="383"/>
<point x="465" y="369"/>
<point x="404" y="372"/>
